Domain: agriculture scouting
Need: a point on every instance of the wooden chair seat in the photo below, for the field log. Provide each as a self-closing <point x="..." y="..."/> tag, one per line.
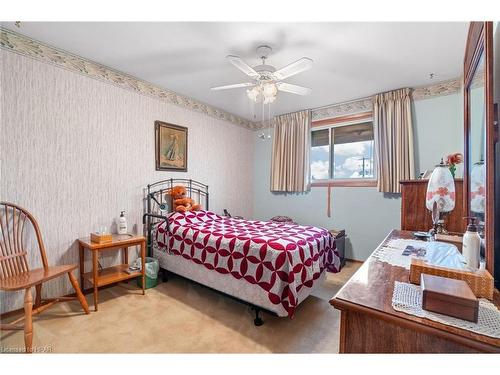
<point x="34" y="277"/>
<point x="15" y="273"/>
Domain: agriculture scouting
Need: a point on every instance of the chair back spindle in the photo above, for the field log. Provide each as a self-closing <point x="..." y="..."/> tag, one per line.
<point x="13" y="249"/>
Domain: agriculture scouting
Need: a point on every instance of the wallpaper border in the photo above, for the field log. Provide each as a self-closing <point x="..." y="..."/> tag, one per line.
<point x="342" y="109"/>
<point x="14" y="42"/>
<point x="449" y="87"/>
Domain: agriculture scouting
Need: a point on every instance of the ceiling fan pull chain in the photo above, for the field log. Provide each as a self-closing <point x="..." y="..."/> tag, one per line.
<point x="263" y="112"/>
<point x="269" y="135"/>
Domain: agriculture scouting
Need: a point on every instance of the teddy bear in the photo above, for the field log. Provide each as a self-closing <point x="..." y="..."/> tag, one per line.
<point x="180" y="201"/>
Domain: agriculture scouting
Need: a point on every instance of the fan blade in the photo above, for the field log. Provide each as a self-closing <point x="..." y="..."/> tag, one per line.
<point x="235" y="86"/>
<point x="294" y="89"/>
<point x="243" y="66"/>
<point x="296" y="67"/>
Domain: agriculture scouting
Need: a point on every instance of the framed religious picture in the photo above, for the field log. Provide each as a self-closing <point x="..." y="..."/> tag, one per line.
<point x="171" y="147"/>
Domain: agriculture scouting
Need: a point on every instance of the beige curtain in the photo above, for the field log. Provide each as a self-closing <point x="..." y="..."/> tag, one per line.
<point x="393" y="139"/>
<point x="290" y="157"/>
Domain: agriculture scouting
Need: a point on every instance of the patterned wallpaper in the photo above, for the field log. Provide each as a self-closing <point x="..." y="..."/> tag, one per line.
<point x="76" y="151"/>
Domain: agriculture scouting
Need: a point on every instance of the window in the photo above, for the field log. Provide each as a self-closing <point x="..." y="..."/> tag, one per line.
<point x="343" y="151"/>
<point x="320" y="154"/>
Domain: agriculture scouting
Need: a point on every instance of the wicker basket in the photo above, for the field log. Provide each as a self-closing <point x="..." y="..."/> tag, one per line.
<point x="481" y="282"/>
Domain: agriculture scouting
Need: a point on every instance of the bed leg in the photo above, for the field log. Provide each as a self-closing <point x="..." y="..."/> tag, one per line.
<point x="164" y="275"/>
<point x="258" y="320"/>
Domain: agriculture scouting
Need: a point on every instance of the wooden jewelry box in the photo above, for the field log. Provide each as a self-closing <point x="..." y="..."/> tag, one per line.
<point x="449" y="297"/>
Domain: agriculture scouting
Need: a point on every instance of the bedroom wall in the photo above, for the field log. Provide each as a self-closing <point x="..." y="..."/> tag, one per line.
<point x="76" y="151"/>
<point x="366" y="214"/>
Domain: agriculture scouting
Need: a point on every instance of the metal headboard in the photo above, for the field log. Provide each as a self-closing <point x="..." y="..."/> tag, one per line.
<point x="158" y="205"/>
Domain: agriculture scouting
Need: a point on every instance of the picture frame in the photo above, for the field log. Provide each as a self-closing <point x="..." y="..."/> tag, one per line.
<point x="171" y="147"/>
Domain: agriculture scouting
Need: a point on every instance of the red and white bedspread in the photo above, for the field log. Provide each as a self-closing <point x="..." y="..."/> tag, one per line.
<point x="280" y="259"/>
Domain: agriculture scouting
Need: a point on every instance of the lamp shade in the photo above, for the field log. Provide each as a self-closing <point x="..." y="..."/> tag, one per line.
<point x="269" y="90"/>
<point x="441" y="189"/>
<point x="477" y="187"/>
<point x="254" y="94"/>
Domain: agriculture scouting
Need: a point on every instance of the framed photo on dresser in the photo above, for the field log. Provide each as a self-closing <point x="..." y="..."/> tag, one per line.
<point x="171" y="147"/>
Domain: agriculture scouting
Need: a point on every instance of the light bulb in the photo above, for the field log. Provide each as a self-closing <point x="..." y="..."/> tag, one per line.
<point x="269" y="90"/>
<point x="254" y="93"/>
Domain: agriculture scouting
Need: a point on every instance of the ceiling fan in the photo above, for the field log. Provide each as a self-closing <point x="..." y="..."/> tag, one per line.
<point x="266" y="80"/>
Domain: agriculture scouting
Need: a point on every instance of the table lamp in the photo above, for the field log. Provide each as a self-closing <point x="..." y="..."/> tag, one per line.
<point x="441" y="190"/>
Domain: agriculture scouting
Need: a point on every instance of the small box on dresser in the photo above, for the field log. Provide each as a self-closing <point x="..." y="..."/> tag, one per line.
<point x="449" y="297"/>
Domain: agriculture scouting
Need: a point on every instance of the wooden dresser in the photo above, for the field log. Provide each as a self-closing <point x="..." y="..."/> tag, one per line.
<point x="416" y="217"/>
<point x="369" y="324"/>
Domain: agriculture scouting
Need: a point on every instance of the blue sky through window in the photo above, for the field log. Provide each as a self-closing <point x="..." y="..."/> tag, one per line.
<point x="350" y="160"/>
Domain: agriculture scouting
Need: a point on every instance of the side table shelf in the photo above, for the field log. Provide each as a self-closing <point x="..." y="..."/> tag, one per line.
<point x="111" y="275"/>
<point x="114" y="274"/>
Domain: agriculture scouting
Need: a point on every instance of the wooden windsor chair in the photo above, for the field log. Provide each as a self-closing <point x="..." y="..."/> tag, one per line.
<point x="15" y="273"/>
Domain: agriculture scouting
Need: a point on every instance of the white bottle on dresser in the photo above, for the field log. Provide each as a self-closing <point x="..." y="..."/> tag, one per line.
<point x="471" y="245"/>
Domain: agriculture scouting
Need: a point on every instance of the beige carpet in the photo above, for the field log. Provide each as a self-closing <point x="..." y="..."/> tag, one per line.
<point x="181" y="317"/>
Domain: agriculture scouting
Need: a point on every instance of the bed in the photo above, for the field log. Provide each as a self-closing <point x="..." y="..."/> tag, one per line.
<point x="270" y="266"/>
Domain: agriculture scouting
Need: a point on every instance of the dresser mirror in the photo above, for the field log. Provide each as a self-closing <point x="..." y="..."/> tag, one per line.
<point x="477" y="145"/>
<point x="479" y="135"/>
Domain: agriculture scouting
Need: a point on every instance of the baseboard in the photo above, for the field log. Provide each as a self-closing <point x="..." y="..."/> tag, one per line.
<point x="354" y="260"/>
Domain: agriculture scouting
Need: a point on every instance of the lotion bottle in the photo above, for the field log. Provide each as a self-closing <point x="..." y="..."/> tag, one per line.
<point x="471" y="245"/>
<point x="122" y="224"/>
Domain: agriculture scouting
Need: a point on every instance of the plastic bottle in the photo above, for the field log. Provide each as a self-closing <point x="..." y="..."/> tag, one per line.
<point x="471" y="245"/>
<point x="122" y="224"/>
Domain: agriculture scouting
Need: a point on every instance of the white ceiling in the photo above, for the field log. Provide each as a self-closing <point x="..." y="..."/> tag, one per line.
<point x="351" y="60"/>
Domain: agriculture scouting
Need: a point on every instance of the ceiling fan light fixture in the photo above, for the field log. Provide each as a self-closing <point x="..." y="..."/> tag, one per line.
<point x="266" y="80"/>
<point x="269" y="90"/>
<point x="254" y="94"/>
<point x="263" y="93"/>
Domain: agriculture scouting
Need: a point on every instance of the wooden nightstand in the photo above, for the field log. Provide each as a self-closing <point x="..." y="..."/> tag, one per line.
<point x="114" y="274"/>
